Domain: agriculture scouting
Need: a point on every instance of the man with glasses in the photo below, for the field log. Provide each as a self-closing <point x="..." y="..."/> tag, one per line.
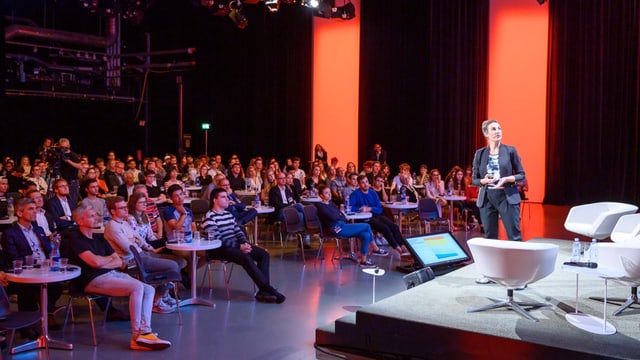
<point x="235" y="206"/>
<point x="60" y="206"/>
<point x="280" y="197"/>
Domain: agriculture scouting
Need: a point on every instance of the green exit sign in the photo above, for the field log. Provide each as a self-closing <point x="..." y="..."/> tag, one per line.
<point x="206" y="126"/>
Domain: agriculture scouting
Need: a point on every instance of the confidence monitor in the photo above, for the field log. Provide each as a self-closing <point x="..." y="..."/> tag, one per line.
<point x="439" y="250"/>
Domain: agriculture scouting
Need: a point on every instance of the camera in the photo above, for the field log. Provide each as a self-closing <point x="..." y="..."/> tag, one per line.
<point x="55" y="155"/>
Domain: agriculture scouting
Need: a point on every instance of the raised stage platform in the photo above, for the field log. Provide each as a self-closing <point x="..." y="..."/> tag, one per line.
<point x="430" y="321"/>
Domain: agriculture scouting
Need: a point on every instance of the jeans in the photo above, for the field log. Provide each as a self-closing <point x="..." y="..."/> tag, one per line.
<point x="140" y="295"/>
<point x="359" y="230"/>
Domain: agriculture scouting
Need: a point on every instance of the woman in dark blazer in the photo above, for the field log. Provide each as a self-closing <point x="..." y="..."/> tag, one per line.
<point x="496" y="170"/>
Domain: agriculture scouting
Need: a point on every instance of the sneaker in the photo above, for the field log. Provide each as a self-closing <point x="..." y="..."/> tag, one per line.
<point x="380" y="252"/>
<point x="152" y="341"/>
<point x="169" y="300"/>
<point x="161" y="307"/>
<point x="265" y="296"/>
<point x="367" y="264"/>
<point x="133" y="345"/>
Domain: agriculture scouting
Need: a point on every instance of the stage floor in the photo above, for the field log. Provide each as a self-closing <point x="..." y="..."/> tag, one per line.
<point x="430" y="321"/>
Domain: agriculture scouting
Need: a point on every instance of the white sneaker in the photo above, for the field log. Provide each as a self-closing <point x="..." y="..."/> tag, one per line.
<point x="169" y="300"/>
<point x="161" y="307"/>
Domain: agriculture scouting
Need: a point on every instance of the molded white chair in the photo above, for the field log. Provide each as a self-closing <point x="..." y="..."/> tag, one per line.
<point x="513" y="265"/>
<point x="627" y="229"/>
<point x="624" y="258"/>
<point x="596" y="220"/>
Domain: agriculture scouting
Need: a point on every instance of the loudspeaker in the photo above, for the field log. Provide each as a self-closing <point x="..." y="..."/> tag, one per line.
<point x="418" y="277"/>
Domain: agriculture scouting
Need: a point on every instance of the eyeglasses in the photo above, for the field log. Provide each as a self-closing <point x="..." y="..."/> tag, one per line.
<point x="226" y="185"/>
<point x="436" y="174"/>
<point x="63" y="186"/>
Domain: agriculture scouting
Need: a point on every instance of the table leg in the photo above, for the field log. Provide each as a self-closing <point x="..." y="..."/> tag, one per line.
<point x="400" y="220"/>
<point x="255" y="231"/>
<point x="43" y="341"/>
<point x="194" y="300"/>
<point x="451" y="227"/>
<point x="588" y="322"/>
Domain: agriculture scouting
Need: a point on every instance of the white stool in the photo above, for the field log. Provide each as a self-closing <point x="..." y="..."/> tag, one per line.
<point x="374" y="273"/>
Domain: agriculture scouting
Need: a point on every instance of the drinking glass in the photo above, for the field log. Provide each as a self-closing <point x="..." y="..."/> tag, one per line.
<point x="17" y="267"/>
<point x="44" y="266"/>
<point x="196" y="236"/>
<point x="28" y="261"/>
<point x="63" y="264"/>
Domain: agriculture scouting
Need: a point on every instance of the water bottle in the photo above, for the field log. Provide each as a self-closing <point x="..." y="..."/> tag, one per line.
<point x="313" y="189"/>
<point x="403" y="195"/>
<point x="575" y="250"/>
<point x="197" y="180"/>
<point x="593" y="251"/>
<point x="10" y="211"/>
<point x="55" y="253"/>
<point x="347" y="207"/>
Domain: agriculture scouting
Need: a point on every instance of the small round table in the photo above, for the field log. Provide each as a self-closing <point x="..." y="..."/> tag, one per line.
<point x="260" y="210"/>
<point x="374" y="273"/>
<point x="401" y="207"/>
<point x="43" y="277"/>
<point x="194" y="247"/>
<point x="451" y="199"/>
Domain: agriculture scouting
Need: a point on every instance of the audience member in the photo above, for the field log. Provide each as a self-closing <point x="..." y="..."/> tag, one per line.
<point x="126" y="189"/>
<point x="99" y="264"/>
<point x="38" y="179"/>
<point x="99" y="205"/>
<point x="297" y="172"/>
<point x="319" y="153"/>
<point x="235" y="206"/>
<point x="60" y="206"/>
<point x="235" y="177"/>
<point x="281" y="197"/>
<point x="378" y="153"/>
<point x="236" y="248"/>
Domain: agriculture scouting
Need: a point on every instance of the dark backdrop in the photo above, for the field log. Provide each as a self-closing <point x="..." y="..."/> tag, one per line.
<point x="423" y="80"/>
<point x="252" y="85"/>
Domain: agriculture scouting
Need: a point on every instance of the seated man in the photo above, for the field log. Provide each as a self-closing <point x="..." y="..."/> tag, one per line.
<point x="364" y="200"/>
<point x="60" y="205"/>
<point x="235" y="247"/>
<point x="99" y="265"/>
<point x="121" y="235"/>
<point x="99" y="205"/>
<point x="333" y="219"/>
<point x="280" y="197"/>
<point x="236" y="207"/>
<point x="24" y="238"/>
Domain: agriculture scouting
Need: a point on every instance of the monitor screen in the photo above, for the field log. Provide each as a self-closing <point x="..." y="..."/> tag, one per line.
<point x="436" y="249"/>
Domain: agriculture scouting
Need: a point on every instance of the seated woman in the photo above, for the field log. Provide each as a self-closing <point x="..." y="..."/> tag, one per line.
<point x="172" y="179"/>
<point x="456" y="185"/>
<point x="435" y="189"/>
<point x="313" y="180"/>
<point x="204" y="178"/>
<point x="332" y="218"/>
<point x="422" y="178"/>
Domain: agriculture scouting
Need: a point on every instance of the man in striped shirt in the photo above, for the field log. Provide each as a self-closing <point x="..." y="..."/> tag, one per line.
<point x="236" y="248"/>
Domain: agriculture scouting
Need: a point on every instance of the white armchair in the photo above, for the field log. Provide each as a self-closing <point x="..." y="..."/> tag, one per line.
<point x="596" y="220"/>
<point x="513" y="265"/>
<point x="624" y="258"/>
<point x="627" y="229"/>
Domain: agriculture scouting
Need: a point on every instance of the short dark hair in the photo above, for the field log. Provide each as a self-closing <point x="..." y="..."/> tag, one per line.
<point x="361" y="177"/>
<point x="87" y="182"/>
<point x="111" y="203"/>
<point x="214" y="194"/>
<point x="173" y="188"/>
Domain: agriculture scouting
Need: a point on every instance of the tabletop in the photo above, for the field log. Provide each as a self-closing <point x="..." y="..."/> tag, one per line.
<point x="195" y="245"/>
<point x="454" y="197"/>
<point x="244" y="193"/>
<point x="262" y="209"/>
<point x="600" y="272"/>
<point x="358" y="215"/>
<point x="194" y="188"/>
<point x="310" y="199"/>
<point x="40" y="276"/>
<point x="400" y="205"/>
<point x="9" y="221"/>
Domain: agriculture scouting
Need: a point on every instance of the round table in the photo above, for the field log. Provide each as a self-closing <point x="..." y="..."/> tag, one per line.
<point x="306" y="199"/>
<point x="451" y="199"/>
<point x="9" y="220"/>
<point x="43" y="277"/>
<point x="400" y="206"/>
<point x="260" y="210"/>
<point x="358" y="216"/>
<point x="374" y="273"/>
<point x="194" y="247"/>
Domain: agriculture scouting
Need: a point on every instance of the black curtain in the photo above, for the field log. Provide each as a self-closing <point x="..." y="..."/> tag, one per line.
<point x="593" y="97"/>
<point x="423" y="80"/>
<point x="251" y="84"/>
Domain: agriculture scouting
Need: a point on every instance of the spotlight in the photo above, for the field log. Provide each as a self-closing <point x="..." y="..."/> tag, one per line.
<point x="312" y="4"/>
<point x="272" y="5"/>
<point x="541" y="2"/>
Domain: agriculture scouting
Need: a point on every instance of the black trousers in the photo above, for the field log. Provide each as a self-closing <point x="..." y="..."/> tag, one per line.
<point x="388" y="228"/>
<point x="496" y="203"/>
<point x="255" y="262"/>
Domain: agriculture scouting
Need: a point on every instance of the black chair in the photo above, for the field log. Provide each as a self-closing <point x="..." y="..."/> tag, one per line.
<point x="314" y="226"/>
<point x="13" y="320"/>
<point x="293" y="226"/>
<point x="199" y="208"/>
<point x="76" y="293"/>
<point x="428" y="213"/>
<point x="158" y="278"/>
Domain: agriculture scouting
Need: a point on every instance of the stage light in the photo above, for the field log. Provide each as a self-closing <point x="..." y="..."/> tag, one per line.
<point x="272" y="5"/>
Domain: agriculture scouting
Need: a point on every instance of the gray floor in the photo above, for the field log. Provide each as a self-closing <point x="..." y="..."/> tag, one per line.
<point x="244" y="329"/>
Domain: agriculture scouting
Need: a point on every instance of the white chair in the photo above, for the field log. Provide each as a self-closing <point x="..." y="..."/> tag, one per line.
<point x="622" y="257"/>
<point x="596" y="220"/>
<point x="513" y="265"/>
<point x="627" y="229"/>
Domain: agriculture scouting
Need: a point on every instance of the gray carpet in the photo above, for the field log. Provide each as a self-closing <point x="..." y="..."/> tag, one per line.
<point x="430" y="320"/>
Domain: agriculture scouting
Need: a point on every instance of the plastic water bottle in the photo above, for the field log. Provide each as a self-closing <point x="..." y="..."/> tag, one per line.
<point x="403" y="195"/>
<point x="55" y="253"/>
<point x="593" y="251"/>
<point x="347" y="207"/>
<point x="575" y="250"/>
<point x="10" y="210"/>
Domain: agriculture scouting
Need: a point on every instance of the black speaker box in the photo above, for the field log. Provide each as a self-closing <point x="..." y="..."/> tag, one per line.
<point x="418" y="277"/>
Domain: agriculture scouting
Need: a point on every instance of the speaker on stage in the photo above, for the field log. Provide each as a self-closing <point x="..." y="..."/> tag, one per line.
<point x="418" y="277"/>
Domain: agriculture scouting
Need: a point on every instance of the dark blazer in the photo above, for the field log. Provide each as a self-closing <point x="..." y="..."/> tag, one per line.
<point x="122" y="191"/>
<point x="510" y="164"/>
<point x="112" y="179"/>
<point x="296" y="189"/>
<point x="275" y="200"/>
<point x="382" y="158"/>
<point x="15" y="245"/>
<point x="54" y="207"/>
